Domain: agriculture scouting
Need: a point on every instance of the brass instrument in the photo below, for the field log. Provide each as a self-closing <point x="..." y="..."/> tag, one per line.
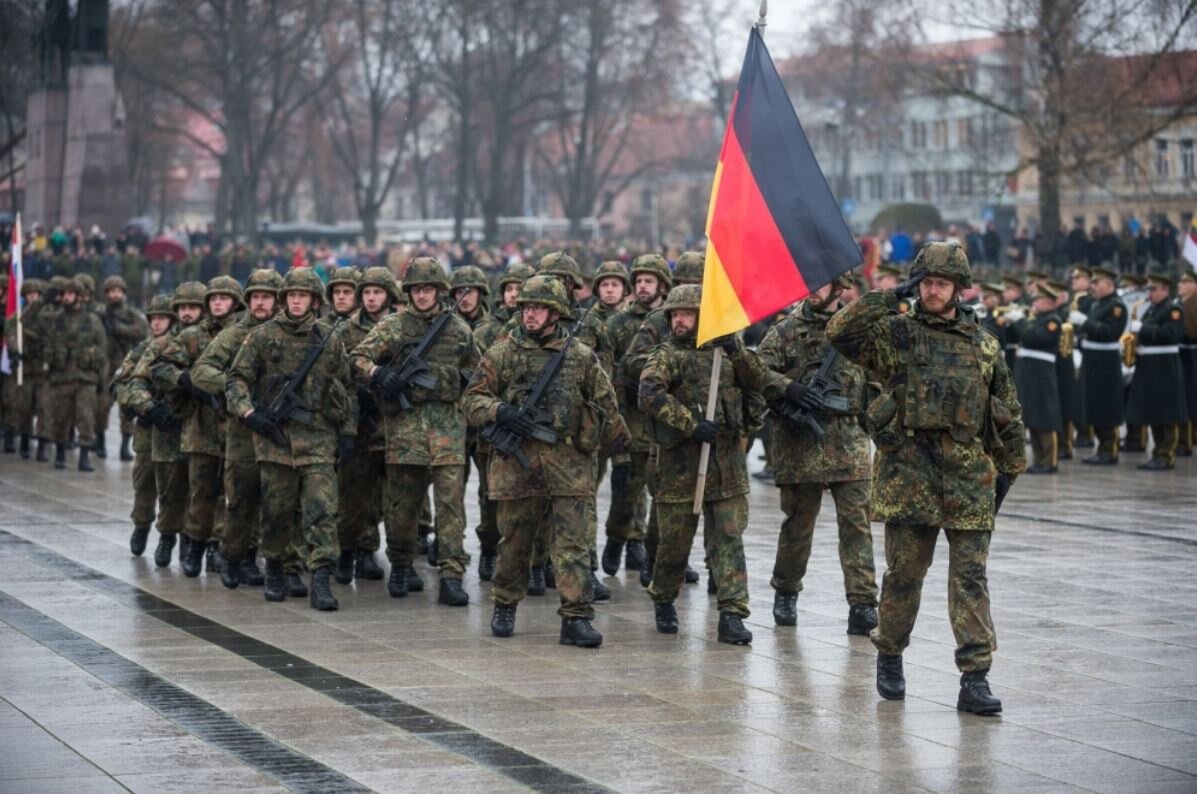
<point x="1076" y="302"/>
<point x="1128" y="349"/>
<point x="1000" y="312"/>
<point x="1067" y="340"/>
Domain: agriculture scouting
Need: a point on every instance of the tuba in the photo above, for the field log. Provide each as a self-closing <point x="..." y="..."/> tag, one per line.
<point x="1067" y="340"/>
<point x="1128" y="349"/>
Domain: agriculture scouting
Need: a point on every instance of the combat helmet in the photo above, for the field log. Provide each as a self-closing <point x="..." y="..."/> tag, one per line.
<point x="343" y="275"/>
<point x="265" y="279"/>
<point x="74" y="284"/>
<point x="469" y="276"/>
<point x="58" y="282"/>
<point x="114" y="282"/>
<point x="546" y="291"/>
<point x="161" y="305"/>
<point x="192" y="293"/>
<point x="683" y="296"/>
<point x="562" y="265"/>
<point x="302" y="279"/>
<point x="425" y="271"/>
<point x="86" y="283"/>
<point x="946" y="260"/>
<point x="226" y="285"/>
<point x="516" y="273"/>
<point x="689" y="268"/>
<point x="612" y="268"/>
<point x="654" y="265"/>
<point x="33" y="285"/>
<point x="378" y="277"/>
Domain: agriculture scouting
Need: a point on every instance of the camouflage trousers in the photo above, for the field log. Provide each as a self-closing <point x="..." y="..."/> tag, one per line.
<point x="310" y="491"/>
<point x="361" y="481"/>
<point x="488" y="526"/>
<point x="407" y="486"/>
<point x="562" y="519"/>
<point x="145" y="489"/>
<point x="544" y="540"/>
<point x="22" y="403"/>
<point x="724" y="522"/>
<point x="243" y="496"/>
<point x="909" y="549"/>
<point x="622" y="521"/>
<point x="104" y="407"/>
<point x="170" y="480"/>
<point x="205" y="476"/>
<point x="74" y="406"/>
<point x="801" y="504"/>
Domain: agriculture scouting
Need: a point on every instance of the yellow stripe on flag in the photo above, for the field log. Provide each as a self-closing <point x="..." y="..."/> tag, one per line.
<point x="721" y="312"/>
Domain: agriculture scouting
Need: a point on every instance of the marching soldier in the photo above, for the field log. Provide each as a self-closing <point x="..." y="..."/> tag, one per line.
<point x="551" y="495"/>
<point x="299" y="472"/>
<point x="1035" y="375"/>
<point x="1101" y="367"/>
<point x="1066" y="384"/>
<point x="1011" y="321"/>
<point x="1187" y="289"/>
<point x="125" y="327"/>
<point x="1157" y="393"/>
<point x="1082" y="278"/>
<point x="78" y="365"/>
<point x="426" y="441"/>
<point x="941" y="463"/>
<point x="341" y="291"/>
<point x="30" y="400"/>
<point x="1133" y="290"/>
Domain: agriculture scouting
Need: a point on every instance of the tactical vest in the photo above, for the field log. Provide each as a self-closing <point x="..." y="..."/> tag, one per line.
<point x="811" y="347"/>
<point x="691" y="389"/>
<point x="945" y="385"/>
<point x="577" y="421"/>
<point x="443" y="359"/>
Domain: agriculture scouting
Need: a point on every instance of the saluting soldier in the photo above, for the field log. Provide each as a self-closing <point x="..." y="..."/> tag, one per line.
<point x="1101" y="368"/>
<point x="1035" y="375"/>
<point x="1157" y="393"/>
<point x="887" y="276"/>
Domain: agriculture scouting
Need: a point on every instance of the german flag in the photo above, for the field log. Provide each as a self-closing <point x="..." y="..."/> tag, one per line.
<point x="774" y="229"/>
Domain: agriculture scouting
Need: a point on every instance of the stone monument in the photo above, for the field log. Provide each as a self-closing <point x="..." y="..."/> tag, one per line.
<point x="78" y="167"/>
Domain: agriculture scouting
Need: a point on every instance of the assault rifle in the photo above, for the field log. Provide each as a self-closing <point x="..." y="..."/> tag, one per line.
<point x="507" y="441"/>
<point x="286" y="405"/>
<point x="821" y="392"/>
<point x="414" y="370"/>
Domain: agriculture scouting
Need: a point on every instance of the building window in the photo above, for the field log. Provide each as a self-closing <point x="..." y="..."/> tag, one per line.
<point x="856" y="187"/>
<point x="918" y="135"/>
<point x="921" y="185"/>
<point x="964" y="183"/>
<point x="897" y="186"/>
<point x="964" y="132"/>
<point x="876" y="186"/>
<point x="1162" y="165"/>
<point x="943" y="183"/>
<point x="1188" y="166"/>
<point x="939" y="135"/>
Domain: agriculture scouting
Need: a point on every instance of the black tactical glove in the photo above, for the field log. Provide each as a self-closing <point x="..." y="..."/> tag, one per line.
<point x="798" y="394"/>
<point x="366" y="403"/>
<point x="1001" y="488"/>
<point x="910" y="286"/>
<point x="387" y="380"/>
<point x="163" y="418"/>
<point x="705" y="431"/>
<point x="631" y="393"/>
<point x="731" y="344"/>
<point x="509" y="417"/>
<point x="261" y="424"/>
<point x="345" y="447"/>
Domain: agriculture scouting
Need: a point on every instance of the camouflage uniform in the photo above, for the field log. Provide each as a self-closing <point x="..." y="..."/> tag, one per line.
<point x="947" y="422"/>
<point x="78" y="364"/>
<point x="30" y="400"/>
<point x="125" y="327"/>
<point x="425" y="445"/>
<point x="553" y="494"/>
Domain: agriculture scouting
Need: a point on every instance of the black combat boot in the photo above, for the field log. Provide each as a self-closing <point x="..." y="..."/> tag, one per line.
<point x="634" y="560"/>
<point x="646" y="570"/>
<point x="322" y="597"/>
<point x="486" y="566"/>
<point x="414" y="583"/>
<point x="550" y="575"/>
<point x="344" y="574"/>
<point x="126" y="452"/>
<point x="184" y="544"/>
<point x="891" y="683"/>
<point x="612" y="556"/>
<point x="230" y="574"/>
<point x="25" y="446"/>
<point x="10" y="442"/>
<point x="60" y="456"/>
<point x="691" y="576"/>
<point x="452" y="594"/>
<point x="72" y="439"/>
<point x="250" y="574"/>
<point x="85" y="460"/>
<point x="666" y="614"/>
<point x="192" y="558"/>
<point x="536" y="582"/>
<point x="214" y="561"/>
<point x="365" y="567"/>
<point x="502" y="622"/>
<point x="601" y="591"/>
<point x="295" y="586"/>
<point x="99" y="446"/>
<point x="732" y="631"/>
<point x="975" y="695"/>
<point x="862" y="618"/>
<point x="579" y="632"/>
<point x="165" y="550"/>
<point x="712" y="585"/>
<point x="43" y="450"/>
<point x="138" y="540"/>
<point x="276" y="581"/>
<point x="397" y="583"/>
<point x="785" y="608"/>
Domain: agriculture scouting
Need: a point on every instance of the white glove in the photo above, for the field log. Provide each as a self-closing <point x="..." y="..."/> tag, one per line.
<point x="1135" y="326"/>
<point x="1015" y="315"/>
<point x="1077" y="318"/>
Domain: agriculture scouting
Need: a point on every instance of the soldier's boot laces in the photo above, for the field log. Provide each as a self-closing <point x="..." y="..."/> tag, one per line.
<point x="646" y="572"/>
<point x="43" y="450"/>
<point x="785" y="608"/>
<point x="366" y="567"/>
<point x="193" y="558"/>
<point x="126" y="452"/>
<point x="550" y="575"/>
<point x="60" y="456"/>
<point x="138" y="540"/>
<point x="862" y="618"/>
<point x="230" y="574"/>
<point x="344" y="574"/>
<point x="322" y="597"/>
<point x="891" y="682"/>
<point x="691" y="575"/>
<point x="25" y="446"/>
<point x="214" y="561"/>
<point x="452" y="593"/>
<point x="276" y="581"/>
<point x="10" y="445"/>
<point x="414" y="583"/>
<point x="612" y="555"/>
<point x="85" y="460"/>
<point x="397" y="582"/>
<point x="486" y="566"/>
<point x="101" y="447"/>
<point x="666" y="616"/>
<point x="536" y="582"/>
<point x="502" y="622"/>
<point x="250" y="574"/>
<point x="975" y="695"/>
<point x="601" y="591"/>
<point x="732" y="631"/>
<point x="634" y="559"/>
<point x="295" y="586"/>
<point x="166" y="548"/>
<point x="579" y="632"/>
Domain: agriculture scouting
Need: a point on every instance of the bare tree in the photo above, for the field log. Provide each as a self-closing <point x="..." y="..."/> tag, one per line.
<point x="22" y="18"/>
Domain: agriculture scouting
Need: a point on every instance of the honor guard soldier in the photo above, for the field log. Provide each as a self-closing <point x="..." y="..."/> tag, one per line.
<point x="1157" y="394"/>
<point x="1082" y="278"/>
<point x="1035" y="375"/>
<point x="1100" y="331"/>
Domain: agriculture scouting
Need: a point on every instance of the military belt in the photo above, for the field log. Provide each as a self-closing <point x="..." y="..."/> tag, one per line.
<point x="1012" y="346"/>
<point x="1037" y="354"/>
<point x="1188" y="345"/>
<point x="1088" y="345"/>
<point x="1156" y="350"/>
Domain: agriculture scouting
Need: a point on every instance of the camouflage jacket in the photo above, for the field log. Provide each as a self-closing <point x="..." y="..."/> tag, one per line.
<point x="481" y="317"/>
<point x="948" y="418"/>
<point x="433" y="432"/>
<point x="210" y="373"/>
<point x="203" y="427"/>
<point x="580" y="402"/>
<point x="274" y="350"/>
<point x="76" y="347"/>
<point x="591" y="332"/>
<point x="795" y="348"/>
<point x="123" y="377"/>
<point x="673" y="393"/>
<point x="142" y="393"/>
<point x="631" y="346"/>
<point x="487" y="333"/>
<point x="33" y="338"/>
<point x="365" y="398"/>
<point x="125" y="327"/>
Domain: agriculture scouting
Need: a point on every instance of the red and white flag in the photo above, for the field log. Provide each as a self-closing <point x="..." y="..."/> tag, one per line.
<point x="1189" y="252"/>
<point x="16" y="276"/>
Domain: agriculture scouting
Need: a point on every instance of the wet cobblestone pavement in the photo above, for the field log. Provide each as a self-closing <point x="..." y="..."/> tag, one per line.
<point x="119" y="676"/>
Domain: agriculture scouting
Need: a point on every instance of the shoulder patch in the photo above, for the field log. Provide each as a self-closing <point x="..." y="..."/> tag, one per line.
<point x="990" y="345"/>
<point x="1117" y="311"/>
<point x="1176" y="314"/>
<point x="1053" y="326"/>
